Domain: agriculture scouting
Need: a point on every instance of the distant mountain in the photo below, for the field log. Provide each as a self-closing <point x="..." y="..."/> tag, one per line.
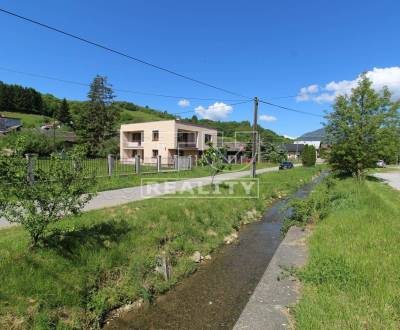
<point x="317" y="135"/>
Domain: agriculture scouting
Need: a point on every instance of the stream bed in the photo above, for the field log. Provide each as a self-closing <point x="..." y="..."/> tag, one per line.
<point x="214" y="296"/>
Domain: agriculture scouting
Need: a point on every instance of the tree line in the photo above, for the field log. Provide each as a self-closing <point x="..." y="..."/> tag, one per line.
<point x="15" y="98"/>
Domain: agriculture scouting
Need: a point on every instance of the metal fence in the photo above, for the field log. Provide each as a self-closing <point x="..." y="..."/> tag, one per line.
<point x="115" y="166"/>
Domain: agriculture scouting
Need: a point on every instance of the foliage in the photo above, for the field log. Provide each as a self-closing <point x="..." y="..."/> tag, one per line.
<point x="32" y="142"/>
<point x="15" y="98"/>
<point x="106" y="258"/>
<point x="215" y="160"/>
<point x="63" y="114"/>
<point x="362" y="126"/>
<point x="96" y="121"/>
<point x="48" y="196"/>
<point x="309" y="156"/>
<point x="273" y="152"/>
<point x="314" y="208"/>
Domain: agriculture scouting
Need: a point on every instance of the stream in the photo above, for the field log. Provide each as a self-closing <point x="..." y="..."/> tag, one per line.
<point x="214" y="296"/>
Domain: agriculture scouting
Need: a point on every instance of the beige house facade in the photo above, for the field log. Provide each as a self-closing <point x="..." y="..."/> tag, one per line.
<point x="165" y="139"/>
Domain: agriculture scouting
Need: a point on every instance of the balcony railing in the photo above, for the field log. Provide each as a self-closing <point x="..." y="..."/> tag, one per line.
<point x="187" y="144"/>
<point x="133" y="144"/>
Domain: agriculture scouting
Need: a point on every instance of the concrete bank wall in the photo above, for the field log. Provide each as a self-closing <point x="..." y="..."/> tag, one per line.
<point x="267" y="307"/>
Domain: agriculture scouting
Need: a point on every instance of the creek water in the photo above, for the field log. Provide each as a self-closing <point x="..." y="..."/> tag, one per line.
<point x="214" y="296"/>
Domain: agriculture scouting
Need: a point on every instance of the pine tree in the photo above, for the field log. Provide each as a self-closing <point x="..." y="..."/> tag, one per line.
<point x="63" y="114"/>
<point x="95" y="122"/>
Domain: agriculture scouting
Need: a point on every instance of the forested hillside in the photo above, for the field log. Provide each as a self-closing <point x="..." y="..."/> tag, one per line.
<point x="35" y="108"/>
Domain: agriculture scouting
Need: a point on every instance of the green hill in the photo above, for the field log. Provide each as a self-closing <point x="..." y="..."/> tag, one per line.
<point x="35" y="109"/>
<point x="28" y="120"/>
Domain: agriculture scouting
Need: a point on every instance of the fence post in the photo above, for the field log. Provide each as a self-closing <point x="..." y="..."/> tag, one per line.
<point x="190" y="163"/>
<point x="30" y="168"/>
<point x="159" y="163"/>
<point x="137" y="164"/>
<point x="110" y="162"/>
<point x="176" y="159"/>
<point x="241" y="160"/>
<point x="196" y="160"/>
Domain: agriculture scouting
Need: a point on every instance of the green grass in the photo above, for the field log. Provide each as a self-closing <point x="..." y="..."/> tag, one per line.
<point x="105" y="258"/>
<point x="352" y="279"/>
<point x="28" y="120"/>
<point x="124" y="176"/>
<point x="139" y="117"/>
<point x="126" y="181"/>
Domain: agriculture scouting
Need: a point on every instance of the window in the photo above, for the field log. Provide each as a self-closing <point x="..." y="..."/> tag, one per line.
<point x="155" y="153"/>
<point x="155" y="135"/>
<point x="207" y="138"/>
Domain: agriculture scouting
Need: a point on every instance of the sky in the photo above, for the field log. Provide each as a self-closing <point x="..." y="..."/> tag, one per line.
<point x="298" y="54"/>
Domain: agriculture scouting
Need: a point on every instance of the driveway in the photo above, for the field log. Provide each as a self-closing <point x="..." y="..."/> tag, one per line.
<point x="123" y="196"/>
<point x="391" y="178"/>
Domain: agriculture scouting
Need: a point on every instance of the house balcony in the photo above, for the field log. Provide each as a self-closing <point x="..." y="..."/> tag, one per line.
<point x="133" y="144"/>
<point x="187" y="145"/>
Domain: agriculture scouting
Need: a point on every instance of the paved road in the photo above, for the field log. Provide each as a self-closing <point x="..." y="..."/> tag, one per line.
<point x="392" y="178"/>
<point x="122" y="196"/>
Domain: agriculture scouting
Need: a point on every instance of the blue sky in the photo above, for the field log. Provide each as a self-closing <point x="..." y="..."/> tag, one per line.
<point x="256" y="48"/>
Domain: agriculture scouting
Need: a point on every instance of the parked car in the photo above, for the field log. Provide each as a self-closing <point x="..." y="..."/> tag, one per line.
<point x="285" y="165"/>
<point x="380" y="163"/>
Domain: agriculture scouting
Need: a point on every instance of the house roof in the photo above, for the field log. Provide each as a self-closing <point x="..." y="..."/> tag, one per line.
<point x="291" y="147"/>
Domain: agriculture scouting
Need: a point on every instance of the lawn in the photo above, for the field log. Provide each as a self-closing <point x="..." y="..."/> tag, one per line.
<point x="133" y="180"/>
<point x="352" y="278"/>
<point x="106" y="258"/>
<point x="28" y="120"/>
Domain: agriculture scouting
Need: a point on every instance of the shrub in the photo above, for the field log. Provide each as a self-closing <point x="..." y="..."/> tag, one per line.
<point x="32" y="142"/>
<point x="57" y="191"/>
<point x="309" y="156"/>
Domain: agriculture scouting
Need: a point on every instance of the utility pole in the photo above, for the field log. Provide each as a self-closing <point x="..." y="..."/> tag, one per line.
<point x="254" y="149"/>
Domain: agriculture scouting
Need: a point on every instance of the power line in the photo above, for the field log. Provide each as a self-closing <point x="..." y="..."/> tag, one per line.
<point x="116" y="89"/>
<point x="293" y="110"/>
<point x="154" y="66"/>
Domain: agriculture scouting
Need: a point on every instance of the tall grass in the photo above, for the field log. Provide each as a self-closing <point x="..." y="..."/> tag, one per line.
<point x="107" y="258"/>
<point x="352" y="279"/>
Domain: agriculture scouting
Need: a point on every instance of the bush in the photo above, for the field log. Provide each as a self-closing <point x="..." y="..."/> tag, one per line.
<point x="51" y="194"/>
<point x="315" y="207"/>
<point x="32" y="142"/>
<point x="309" y="155"/>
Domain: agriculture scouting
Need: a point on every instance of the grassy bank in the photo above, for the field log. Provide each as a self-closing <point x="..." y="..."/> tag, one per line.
<point x="352" y="278"/>
<point x="107" y="258"/>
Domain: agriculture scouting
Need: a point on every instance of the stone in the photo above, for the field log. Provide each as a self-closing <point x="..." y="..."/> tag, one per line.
<point x="207" y="257"/>
<point x="196" y="257"/>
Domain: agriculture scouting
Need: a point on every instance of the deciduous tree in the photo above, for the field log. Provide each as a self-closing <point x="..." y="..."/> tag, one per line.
<point x="357" y="128"/>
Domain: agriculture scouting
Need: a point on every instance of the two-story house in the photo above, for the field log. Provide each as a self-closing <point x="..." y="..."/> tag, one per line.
<point x="165" y="138"/>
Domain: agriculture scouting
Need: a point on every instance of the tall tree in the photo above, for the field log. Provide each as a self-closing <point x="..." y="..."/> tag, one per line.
<point x="62" y="114"/>
<point x="96" y="121"/>
<point x="357" y="125"/>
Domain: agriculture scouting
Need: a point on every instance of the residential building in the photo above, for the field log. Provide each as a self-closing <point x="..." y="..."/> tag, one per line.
<point x="166" y="138"/>
<point x="294" y="150"/>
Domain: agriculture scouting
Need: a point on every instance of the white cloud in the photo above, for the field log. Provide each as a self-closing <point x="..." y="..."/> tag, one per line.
<point x="184" y="103"/>
<point x="216" y="111"/>
<point x="267" y="118"/>
<point x="380" y="77"/>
